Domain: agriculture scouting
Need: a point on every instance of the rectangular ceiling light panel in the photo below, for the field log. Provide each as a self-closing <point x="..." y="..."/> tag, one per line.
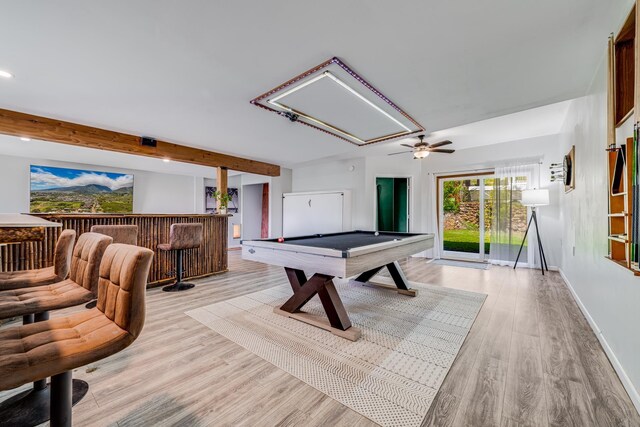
<point x="334" y="99"/>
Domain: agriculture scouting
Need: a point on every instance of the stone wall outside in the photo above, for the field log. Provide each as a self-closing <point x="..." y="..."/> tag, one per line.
<point x="468" y="217"/>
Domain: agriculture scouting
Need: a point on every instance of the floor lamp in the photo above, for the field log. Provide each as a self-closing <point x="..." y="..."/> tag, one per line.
<point x="534" y="199"/>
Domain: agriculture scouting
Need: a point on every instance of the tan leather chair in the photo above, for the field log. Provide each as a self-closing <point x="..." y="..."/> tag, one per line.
<point x="181" y="237"/>
<point x="55" y="347"/>
<point x="79" y="288"/>
<point x="127" y="234"/>
<point x="44" y="276"/>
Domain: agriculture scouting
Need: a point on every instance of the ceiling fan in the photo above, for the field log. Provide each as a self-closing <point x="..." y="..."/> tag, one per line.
<point x="422" y="149"/>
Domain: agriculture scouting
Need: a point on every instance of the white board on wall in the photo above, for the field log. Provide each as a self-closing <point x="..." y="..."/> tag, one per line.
<point x="316" y="213"/>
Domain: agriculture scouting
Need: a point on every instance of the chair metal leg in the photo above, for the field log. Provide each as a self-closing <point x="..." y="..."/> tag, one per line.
<point x="179" y="285"/>
<point x="41" y="317"/>
<point x="61" y="398"/>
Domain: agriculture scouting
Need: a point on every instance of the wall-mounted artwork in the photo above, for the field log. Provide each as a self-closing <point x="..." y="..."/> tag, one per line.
<point x="210" y="202"/>
<point x="569" y="169"/>
<point x="63" y="190"/>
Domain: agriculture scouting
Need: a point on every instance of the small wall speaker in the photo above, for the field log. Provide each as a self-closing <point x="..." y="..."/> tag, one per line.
<point x="146" y="141"/>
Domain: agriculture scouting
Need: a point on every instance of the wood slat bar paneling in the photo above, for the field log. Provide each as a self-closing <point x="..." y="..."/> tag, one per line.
<point x="209" y="259"/>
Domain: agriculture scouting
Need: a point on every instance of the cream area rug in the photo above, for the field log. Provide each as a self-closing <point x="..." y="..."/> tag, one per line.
<point x="390" y="375"/>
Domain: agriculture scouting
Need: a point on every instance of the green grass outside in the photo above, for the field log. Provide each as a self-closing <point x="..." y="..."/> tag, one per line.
<point x="113" y="202"/>
<point x="469" y="241"/>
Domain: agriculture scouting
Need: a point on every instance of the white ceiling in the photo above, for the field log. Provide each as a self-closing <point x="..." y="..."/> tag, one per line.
<point x="185" y="71"/>
<point x="528" y="124"/>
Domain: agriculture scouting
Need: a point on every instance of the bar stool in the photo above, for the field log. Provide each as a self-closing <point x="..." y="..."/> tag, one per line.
<point x="54" y="348"/>
<point x="79" y="288"/>
<point x="34" y="304"/>
<point x="127" y="234"/>
<point x="43" y="276"/>
<point x="181" y="237"/>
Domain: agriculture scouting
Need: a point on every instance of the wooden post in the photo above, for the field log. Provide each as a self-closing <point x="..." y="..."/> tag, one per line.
<point x="221" y="183"/>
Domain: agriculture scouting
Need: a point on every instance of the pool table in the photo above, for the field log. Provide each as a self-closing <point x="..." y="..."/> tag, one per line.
<point x="343" y="255"/>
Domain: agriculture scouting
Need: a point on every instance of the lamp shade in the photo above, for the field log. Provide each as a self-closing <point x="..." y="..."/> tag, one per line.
<point x="420" y="154"/>
<point x="535" y="197"/>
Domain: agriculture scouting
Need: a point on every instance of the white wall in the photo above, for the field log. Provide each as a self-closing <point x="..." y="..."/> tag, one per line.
<point x="251" y="211"/>
<point x="234" y="181"/>
<point x="152" y="192"/>
<point x="336" y="175"/>
<point x="277" y="187"/>
<point x="608" y="294"/>
<point x="394" y="166"/>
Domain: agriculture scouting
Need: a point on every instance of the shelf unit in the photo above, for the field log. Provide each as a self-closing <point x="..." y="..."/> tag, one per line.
<point x="620" y="203"/>
<point x="623" y="105"/>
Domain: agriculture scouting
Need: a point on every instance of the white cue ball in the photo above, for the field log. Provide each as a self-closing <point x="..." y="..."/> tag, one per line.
<point x="376" y="234"/>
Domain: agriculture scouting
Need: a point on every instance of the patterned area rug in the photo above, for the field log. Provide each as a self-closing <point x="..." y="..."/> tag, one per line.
<point x="390" y="375"/>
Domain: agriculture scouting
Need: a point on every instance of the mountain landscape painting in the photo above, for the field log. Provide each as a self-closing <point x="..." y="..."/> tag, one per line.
<point x="62" y="190"/>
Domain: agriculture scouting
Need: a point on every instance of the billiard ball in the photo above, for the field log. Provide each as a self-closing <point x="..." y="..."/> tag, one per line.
<point x="280" y="239"/>
<point x="376" y="234"/>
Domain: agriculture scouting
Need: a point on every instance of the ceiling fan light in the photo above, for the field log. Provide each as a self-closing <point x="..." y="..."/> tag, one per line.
<point x="420" y="154"/>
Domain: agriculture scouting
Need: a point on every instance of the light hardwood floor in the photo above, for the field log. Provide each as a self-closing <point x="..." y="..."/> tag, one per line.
<point x="530" y="360"/>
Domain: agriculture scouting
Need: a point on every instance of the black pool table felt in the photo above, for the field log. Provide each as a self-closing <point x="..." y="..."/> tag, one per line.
<point x="345" y="241"/>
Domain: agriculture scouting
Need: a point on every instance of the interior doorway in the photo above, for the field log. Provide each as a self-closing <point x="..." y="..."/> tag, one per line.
<point x="255" y="211"/>
<point x="392" y="204"/>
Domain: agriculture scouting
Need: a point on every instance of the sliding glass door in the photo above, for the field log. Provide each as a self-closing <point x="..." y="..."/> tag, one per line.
<point x="509" y="217"/>
<point x="464" y="223"/>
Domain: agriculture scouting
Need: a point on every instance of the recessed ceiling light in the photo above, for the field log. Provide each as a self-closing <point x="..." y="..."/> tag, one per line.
<point x="166" y="160"/>
<point x="6" y="74"/>
<point x="23" y="138"/>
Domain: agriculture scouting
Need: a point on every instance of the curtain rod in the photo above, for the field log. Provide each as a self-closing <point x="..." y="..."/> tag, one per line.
<point x="518" y="162"/>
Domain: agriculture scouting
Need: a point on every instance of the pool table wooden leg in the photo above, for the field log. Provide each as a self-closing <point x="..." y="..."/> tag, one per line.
<point x="397" y="275"/>
<point x="321" y="284"/>
<point x="368" y="275"/>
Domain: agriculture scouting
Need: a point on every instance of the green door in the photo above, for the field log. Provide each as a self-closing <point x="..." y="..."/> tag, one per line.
<point x="392" y="199"/>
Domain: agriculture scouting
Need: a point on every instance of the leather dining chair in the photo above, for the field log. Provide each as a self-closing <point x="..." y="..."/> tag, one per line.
<point x="43" y="276"/>
<point x="54" y="348"/>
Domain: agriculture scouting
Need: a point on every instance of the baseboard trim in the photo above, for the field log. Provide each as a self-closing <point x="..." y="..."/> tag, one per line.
<point x="626" y="382"/>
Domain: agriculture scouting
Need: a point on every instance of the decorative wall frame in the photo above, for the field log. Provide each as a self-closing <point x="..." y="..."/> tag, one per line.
<point x="334" y="99"/>
<point x="569" y="166"/>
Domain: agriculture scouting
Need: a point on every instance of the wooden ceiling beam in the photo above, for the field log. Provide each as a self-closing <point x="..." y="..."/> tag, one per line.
<point x="46" y="129"/>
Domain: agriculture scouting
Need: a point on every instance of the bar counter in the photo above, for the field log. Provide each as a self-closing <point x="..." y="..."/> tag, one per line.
<point x="210" y="258"/>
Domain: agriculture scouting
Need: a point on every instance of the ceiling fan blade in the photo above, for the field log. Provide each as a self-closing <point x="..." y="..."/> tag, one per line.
<point x="401" y="152"/>
<point x="440" y="144"/>
<point x="407" y="145"/>
<point x="440" y="150"/>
